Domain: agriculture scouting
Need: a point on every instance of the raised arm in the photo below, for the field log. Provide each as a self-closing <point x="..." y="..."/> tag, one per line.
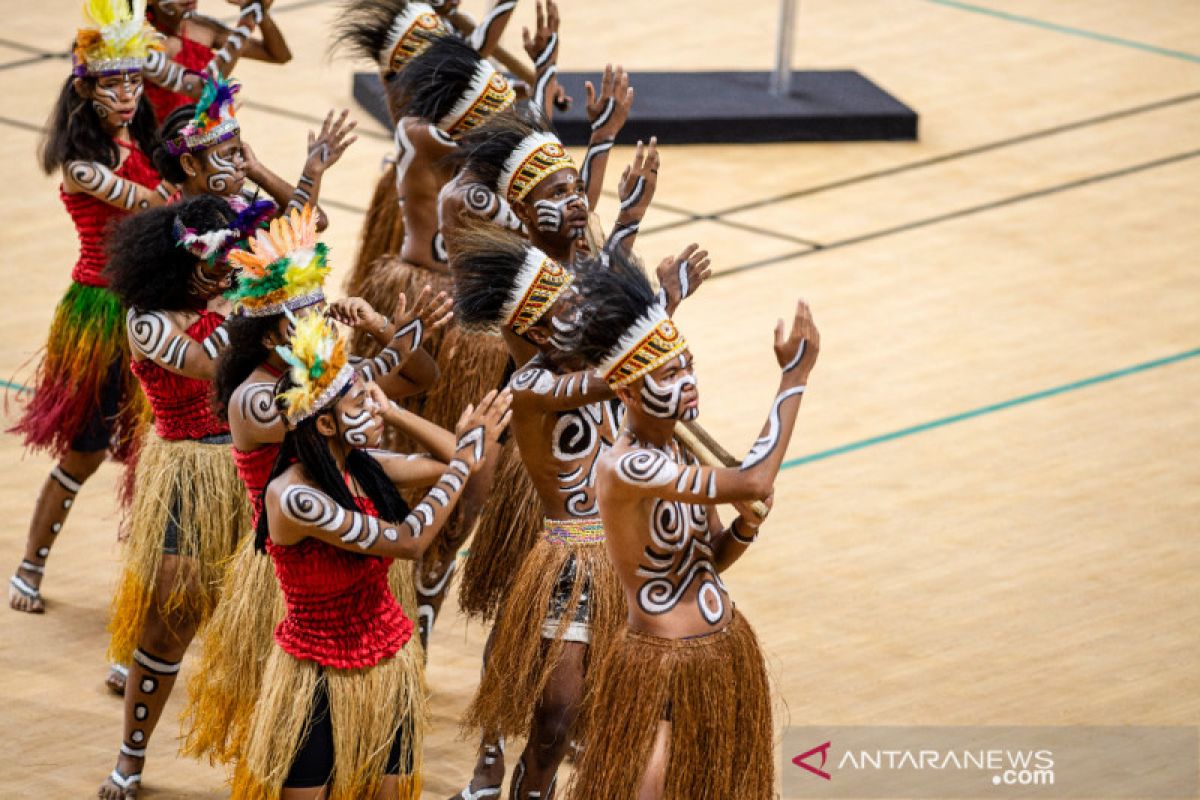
<point x="325" y="148"/>
<point x="156" y="336"/>
<point x="607" y="113"/>
<point x="635" y="191"/>
<point x="486" y="35"/>
<point x="680" y="276"/>
<point x="542" y="47"/>
<point x="652" y="472"/>
<point x="539" y="388"/>
<point x="297" y="511"/>
<point x="230" y="43"/>
<point x="94" y="178"/>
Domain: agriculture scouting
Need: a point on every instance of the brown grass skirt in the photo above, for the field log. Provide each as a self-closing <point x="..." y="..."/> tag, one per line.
<point x="721" y="743"/>
<point x="519" y="664"/>
<point x="366" y="707"/>
<point x="382" y="231"/>
<point x="508" y="529"/>
<point x="238" y="641"/>
<point x="196" y="485"/>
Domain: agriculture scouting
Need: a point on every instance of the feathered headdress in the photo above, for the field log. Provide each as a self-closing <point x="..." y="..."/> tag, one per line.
<point x="536" y="158"/>
<point x="284" y="267"/>
<point x="115" y="38"/>
<point x="317" y="357"/>
<point x="452" y="86"/>
<point x="500" y="279"/>
<point x="626" y="332"/>
<point x="214" y="120"/>
<point x="389" y="32"/>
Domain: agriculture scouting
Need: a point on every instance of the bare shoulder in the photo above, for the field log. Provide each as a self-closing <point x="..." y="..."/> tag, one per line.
<point x="531" y="380"/>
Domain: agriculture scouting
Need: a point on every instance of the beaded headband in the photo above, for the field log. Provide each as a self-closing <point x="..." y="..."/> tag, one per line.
<point x="410" y="35"/>
<point x="488" y="93"/>
<point x="539" y="283"/>
<point x="538" y="156"/>
<point x="651" y="342"/>
<point x="319" y="368"/>
<point x="213" y="122"/>
<point x="115" y="38"/>
<point x="283" y="269"/>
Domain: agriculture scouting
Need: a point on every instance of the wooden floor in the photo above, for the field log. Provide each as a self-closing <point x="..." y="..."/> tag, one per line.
<point x="991" y="512"/>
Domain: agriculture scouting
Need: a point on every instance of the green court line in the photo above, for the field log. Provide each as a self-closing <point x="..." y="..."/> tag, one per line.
<point x="990" y="409"/>
<point x="1067" y="29"/>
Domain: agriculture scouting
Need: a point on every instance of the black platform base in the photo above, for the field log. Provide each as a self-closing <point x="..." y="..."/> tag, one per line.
<point x="727" y="107"/>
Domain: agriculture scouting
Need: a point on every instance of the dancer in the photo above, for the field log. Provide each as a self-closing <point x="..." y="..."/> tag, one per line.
<point x="565" y="604"/>
<point x="682" y="704"/>
<point x="342" y="705"/>
<point x="189" y="508"/>
<point x="202" y="150"/>
<point x="85" y="402"/>
<point x="281" y="277"/>
<point x="190" y="42"/>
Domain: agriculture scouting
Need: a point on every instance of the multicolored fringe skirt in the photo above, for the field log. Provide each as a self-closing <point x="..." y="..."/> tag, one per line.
<point x="84" y="394"/>
<point x="566" y="590"/>
<point x="366" y="707"/>
<point x="714" y="691"/>
<point x="382" y="232"/>
<point x="237" y="643"/>
<point x="188" y="501"/>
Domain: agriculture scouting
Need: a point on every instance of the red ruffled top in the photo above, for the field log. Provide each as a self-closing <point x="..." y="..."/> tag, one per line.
<point x="192" y="55"/>
<point x="92" y="216"/>
<point x="341" y="612"/>
<point x="182" y="406"/>
<point x="254" y="468"/>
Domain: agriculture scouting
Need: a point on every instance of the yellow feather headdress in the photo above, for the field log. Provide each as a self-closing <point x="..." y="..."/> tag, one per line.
<point x="284" y="267"/>
<point x="115" y="38"/>
<point x="319" y="368"/>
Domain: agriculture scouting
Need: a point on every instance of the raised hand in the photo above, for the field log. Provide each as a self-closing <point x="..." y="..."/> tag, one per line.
<point x="638" y="182"/>
<point x="542" y="45"/>
<point x="679" y="276"/>
<point x="797" y="351"/>
<point x="326" y="147"/>
<point x="356" y="313"/>
<point x="608" y="110"/>
<point x="480" y="425"/>
<point x="433" y="311"/>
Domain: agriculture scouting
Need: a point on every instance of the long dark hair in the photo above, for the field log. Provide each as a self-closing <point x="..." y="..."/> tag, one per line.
<point x="74" y="131"/>
<point x="304" y="445"/>
<point x="167" y="164"/>
<point x="147" y="268"/>
<point x="244" y="354"/>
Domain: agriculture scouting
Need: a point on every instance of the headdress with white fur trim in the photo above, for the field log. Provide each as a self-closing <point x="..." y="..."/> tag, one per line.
<point x="389" y="32"/>
<point x="452" y="86"/>
<point x="538" y="156"/>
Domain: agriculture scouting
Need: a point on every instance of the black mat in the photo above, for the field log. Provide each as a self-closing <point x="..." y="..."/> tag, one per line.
<point x="727" y="107"/>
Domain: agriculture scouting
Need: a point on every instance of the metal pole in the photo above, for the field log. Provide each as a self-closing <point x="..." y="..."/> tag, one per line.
<point x="781" y="80"/>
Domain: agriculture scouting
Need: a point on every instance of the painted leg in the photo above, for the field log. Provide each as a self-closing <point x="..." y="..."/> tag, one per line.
<point x="489" y="763"/>
<point x="536" y="772"/>
<point x="655" y="776"/>
<point x="433" y="576"/>
<point x="49" y="514"/>
<point x="155" y="667"/>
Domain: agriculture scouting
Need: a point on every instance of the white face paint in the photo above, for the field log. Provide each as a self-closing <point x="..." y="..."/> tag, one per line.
<point x="567" y="326"/>
<point x="552" y="216"/>
<point x="362" y="427"/>
<point x="223" y="175"/>
<point x="665" y="400"/>
<point x="115" y="98"/>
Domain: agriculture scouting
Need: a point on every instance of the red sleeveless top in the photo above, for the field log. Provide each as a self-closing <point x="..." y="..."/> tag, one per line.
<point x="92" y="216"/>
<point x="192" y="55"/>
<point x="341" y="612"/>
<point x="182" y="406"/>
<point x="254" y="468"/>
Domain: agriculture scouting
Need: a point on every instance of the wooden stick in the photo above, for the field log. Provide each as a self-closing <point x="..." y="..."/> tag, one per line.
<point x="515" y="64"/>
<point x="686" y="433"/>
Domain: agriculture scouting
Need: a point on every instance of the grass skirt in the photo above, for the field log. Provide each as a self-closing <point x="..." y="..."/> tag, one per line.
<point x="237" y="643"/>
<point x="721" y="743"/>
<point x="197" y="486"/>
<point x="521" y="661"/>
<point x="366" y="706"/>
<point x="87" y="337"/>
<point x="382" y="231"/>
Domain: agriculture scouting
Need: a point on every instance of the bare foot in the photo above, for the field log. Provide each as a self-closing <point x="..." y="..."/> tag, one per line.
<point x="117" y="674"/>
<point x="23" y="589"/>
<point x="121" y="785"/>
<point x="489" y="774"/>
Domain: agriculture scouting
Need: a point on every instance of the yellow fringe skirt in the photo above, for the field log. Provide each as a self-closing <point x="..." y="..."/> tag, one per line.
<point x="567" y="567"/>
<point x="237" y="643"/>
<point x="366" y="707"/>
<point x="192" y="488"/>
<point x="715" y="693"/>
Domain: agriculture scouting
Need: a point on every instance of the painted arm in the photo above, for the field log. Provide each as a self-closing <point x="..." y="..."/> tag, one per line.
<point x="607" y="113"/>
<point x="324" y="150"/>
<point x="486" y="35"/>
<point x="229" y="44"/>
<point x="482" y="202"/>
<point x="94" y="178"/>
<point x="647" y="472"/>
<point x="542" y="47"/>
<point x="539" y="388"/>
<point x="297" y="511"/>
<point x="635" y="192"/>
<point x="155" y="336"/>
<point x="680" y="276"/>
<point x="276" y="187"/>
<point x="254" y="417"/>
